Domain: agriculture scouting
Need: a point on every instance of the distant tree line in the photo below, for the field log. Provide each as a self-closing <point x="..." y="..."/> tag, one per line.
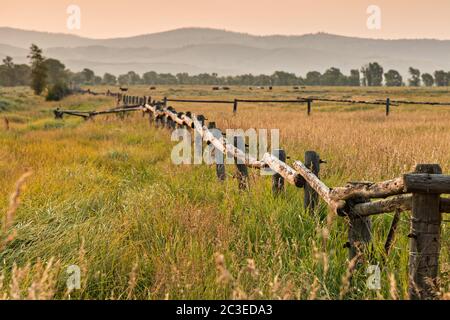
<point x="52" y="75"/>
<point x="370" y="75"/>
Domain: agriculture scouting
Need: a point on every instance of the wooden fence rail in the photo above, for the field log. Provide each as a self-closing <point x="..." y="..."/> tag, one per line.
<point x="419" y="192"/>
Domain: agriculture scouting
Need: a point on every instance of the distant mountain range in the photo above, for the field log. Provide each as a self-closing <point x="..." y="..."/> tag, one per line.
<point x="197" y="50"/>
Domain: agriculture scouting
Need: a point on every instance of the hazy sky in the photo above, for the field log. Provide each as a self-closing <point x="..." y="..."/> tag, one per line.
<point x="114" y="18"/>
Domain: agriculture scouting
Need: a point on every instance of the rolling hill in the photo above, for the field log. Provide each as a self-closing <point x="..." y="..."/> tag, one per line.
<point x="197" y="50"/>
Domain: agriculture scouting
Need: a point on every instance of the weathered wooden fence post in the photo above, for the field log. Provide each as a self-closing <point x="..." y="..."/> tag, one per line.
<point x="309" y="107"/>
<point x="235" y="105"/>
<point x="220" y="167"/>
<point x="388" y="106"/>
<point x="169" y="123"/>
<point x="242" y="170"/>
<point x="165" y="102"/>
<point x="144" y="102"/>
<point x="189" y="115"/>
<point x="359" y="232"/>
<point x="201" y="118"/>
<point x="158" y="118"/>
<point x="277" y="179"/>
<point x="424" y="244"/>
<point x="58" y="115"/>
<point x="312" y="162"/>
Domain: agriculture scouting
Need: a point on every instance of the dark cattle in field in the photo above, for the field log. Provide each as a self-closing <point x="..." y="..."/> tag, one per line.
<point x="152" y="88"/>
<point x="123" y="89"/>
<point x="215" y="88"/>
<point x="270" y="88"/>
<point x="226" y="88"/>
<point x="295" y="88"/>
<point x="250" y="88"/>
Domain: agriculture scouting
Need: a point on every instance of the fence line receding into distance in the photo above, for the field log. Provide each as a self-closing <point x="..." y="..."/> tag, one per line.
<point x="419" y="192"/>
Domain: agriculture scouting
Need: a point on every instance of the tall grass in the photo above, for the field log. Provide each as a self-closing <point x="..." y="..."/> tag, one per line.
<point x="105" y="196"/>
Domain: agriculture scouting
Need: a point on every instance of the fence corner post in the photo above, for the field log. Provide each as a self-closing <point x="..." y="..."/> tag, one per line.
<point x="424" y="243"/>
<point x="277" y="179"/>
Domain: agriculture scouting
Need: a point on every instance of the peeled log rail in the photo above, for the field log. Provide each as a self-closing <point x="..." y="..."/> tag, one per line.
<point x="222" y="145"/>
<point x="95" y="113"/>
<point x="289" y="174"/>
<point x="402" y="203"/>
<point x="319" y="187"/>
<point x="87" y="114"/>
<point x="368" y="190"/>
<point x="174" y="116"/>
<point x="426" y="183"/>
<point x="73" y="111"/>
<point x="219" y="143"/>
<point x="84" y="115"/>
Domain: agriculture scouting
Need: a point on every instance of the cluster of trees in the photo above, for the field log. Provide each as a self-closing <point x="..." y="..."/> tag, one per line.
<point x="373" y="76"/>
<point x="14" y="74"/>
<point x="370" y="75"/>
<point x="331" y="77"/>
<point x="51" y="74"/>
<point x="41" y="74"/>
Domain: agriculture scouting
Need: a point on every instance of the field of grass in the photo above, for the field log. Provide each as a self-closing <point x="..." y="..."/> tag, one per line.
<point x="105" y="196"/>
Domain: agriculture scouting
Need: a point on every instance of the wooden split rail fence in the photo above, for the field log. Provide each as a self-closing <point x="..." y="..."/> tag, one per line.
<point x="126" y="101"/>
<point x="419" y="192"/>
<point x="132" y="100"/>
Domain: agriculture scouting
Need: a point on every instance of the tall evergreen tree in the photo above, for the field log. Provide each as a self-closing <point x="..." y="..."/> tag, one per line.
<point x="38" y="69"/>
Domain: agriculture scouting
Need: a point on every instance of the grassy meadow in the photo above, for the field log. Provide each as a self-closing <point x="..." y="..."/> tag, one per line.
<point x="104" y="195"/>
